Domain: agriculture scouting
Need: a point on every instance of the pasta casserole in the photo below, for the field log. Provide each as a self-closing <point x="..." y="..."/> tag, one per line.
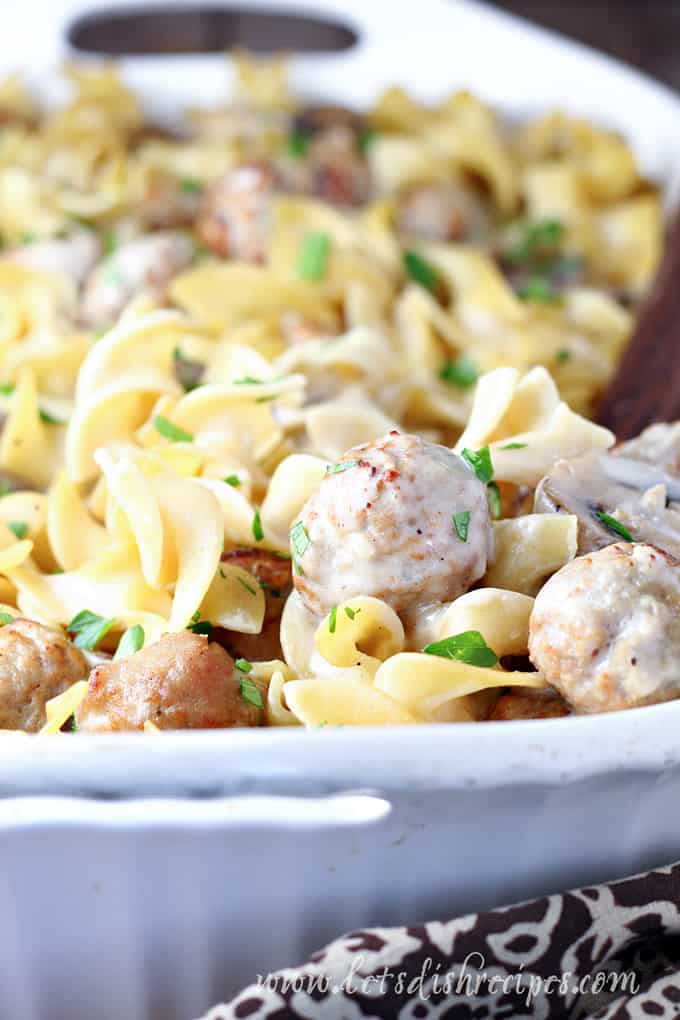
<point x="297" y="415"/>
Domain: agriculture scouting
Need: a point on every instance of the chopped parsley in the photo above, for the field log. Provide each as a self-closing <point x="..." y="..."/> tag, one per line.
<point x="461" y="522"/>
<point x="538" y="288"/>
<point x="109" y="242"/>
<point x="297" y="144"/>
<point x="5" y="618"/>
<point x="469" y="647"/>
<point x="5" y="487"/>
<point x="190" y="186"/>
<point x="233" y="480"/>
<point x="251" y="693"/>
<point x="613" y="525"/>
<point x="132" y="641"/>
<point x="480" y="462"/>
<point x="89" y="629"/>
<point x="243" y="666"/>
<point x="459" y="372"/>
<point x="351" y="613"/>
<point x="20" y="528"/>
<point x="563" y="355"/>
<point x="27" y="237"/>
<point x="313" y="256"/>
<point x="258" y="532"/>
<point x="344" y="465"/>
<point x="539" y="240"/>
<point x="244" y="584"/>
<point x="513" y="446"/>
<point x="199" y="626"/>
<point x="332" y="619"/>
<point x="171" y="431"/>
<point x="420" y="270"/>
<point x="365" y="140"/>
<point x="47" y="419"/>
<point x="247" y="380"/>
<point x="6" y="389"/>
<point x="300" y="540"/>
<point x="494" y="496"/>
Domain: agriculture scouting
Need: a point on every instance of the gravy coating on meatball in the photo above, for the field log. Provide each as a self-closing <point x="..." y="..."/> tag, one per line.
<point x="529" y="704"/>
<point x="382" y="523"/>
<point x="36" y="664"/>
<point x="605" y="629"/>
<point x="180" y="682"/>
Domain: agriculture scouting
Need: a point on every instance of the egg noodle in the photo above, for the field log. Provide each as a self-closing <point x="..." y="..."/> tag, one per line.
<point x="167" y="407"/>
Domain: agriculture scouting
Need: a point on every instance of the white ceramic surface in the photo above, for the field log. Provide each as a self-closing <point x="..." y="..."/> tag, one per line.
<point x="249" y="849"/>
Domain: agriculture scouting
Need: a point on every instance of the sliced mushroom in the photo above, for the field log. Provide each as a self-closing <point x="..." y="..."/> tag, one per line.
<point x="635" y="487"/>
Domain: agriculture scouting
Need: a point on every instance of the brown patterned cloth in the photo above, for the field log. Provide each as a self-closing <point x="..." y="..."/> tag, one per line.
<point x="608" y="952"/>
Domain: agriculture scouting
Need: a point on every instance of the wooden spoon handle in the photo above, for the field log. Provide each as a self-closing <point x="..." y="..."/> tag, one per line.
<point x="646" y="387"/>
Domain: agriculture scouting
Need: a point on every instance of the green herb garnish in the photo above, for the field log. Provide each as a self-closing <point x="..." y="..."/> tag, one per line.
<point x="615" y="526"/>
<point x="5" y="618"/>
<point x="332" y="619"/>
<point x="258" y="532"/>
<point x="469" y="647"/>
<point x="461" y="522"/>
<point x="247" y="380"/>
<point x="7" y="389"/>
<point x="538" y="288"/>
<point x="494" y="496"/>
<point x="459" y="372"/>
<point x="538" y="240"/>
<point x="233" y="480"/>
<point x="313" y="256"/>
<point x="109" y="242"/>
<point x="199" y="626"/>
<point x="300" y="540"/>
<point x="171" y="431"/>
<point x="344" y="465"/>
<point x="243" y="666"/>
<point x="513" y="446"/>
<point x="563" y="355"/>
<point x="480" y="462"/>
<point x="190" y="186"/>
<point x="365" y="140"/>
<point x="132" y="641"/>
<point x="351" y="613"/>
<point x="20" y="528"/>
<point x="244" y="584"/>
<point x="251" y="693"/>
<point x="89" y="629"/>
<point x="420" y="270"/>
<point x="297" y="144"/>
<point x="47" y="419"/>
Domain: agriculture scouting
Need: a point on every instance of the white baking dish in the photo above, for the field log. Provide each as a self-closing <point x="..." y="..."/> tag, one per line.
<point x="150" y="876"/>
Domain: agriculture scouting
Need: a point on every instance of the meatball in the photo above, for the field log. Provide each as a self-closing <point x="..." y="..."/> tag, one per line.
<point x="446" y="211"/>
<point x="235" y="214"/>
<point x="529" y="704"/>
<point x="36" y="663"/>
<point x="381" y="523"/>
<point x="147" y="263"/>
<point x="181" y="682"/>
<point x="339" y="172"/>
<point x="74" y="255"/>
<point x="605" y="629"/>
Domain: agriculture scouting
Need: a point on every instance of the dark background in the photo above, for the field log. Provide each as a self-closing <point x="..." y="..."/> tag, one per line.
<point x="645" y="33"/>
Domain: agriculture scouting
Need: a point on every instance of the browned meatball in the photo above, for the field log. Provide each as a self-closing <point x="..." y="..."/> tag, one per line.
<point x="339" y="172"/>
<point x="181" y="682"/>
<point x="235" y="214"/>
<point x="521" y="704"/>
<point x="36" y="664"/>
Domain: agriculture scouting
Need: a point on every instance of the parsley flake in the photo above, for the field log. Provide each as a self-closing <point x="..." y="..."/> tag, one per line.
<point x="244" y="584"/>
<point x="132" y="641"/>
<point x="344" y="465"/>
<point x="494" y="496"/>
<point x="300" y="540"/>
<point x="297" y="144"/>
<point x="190" y="186"/>
<point x="461" y="522"/>
<point x="89" y="629"/>
<point x="233" y="480"/>
<point x="513" y="446"/>
<point x="20" y="528"/>
<point x="563" y="355"/>
<point x="469" y="647"/>
<point x="351" y="613"/>
<point x="251" y="693"/>
<point x="538" y="288"/>
<point x="332" y="619"/>
<point x="313" y="256"/>
<point x="480" y="462"/>
<point x="258" y="532"/>
<point x="613" y="525"/>
<point x="47" y="419"/>
<point x="243" y="666"/>
<point x="5" y="618"/>
<point x="420" y="270"/>
<point x="199" y="626"/>
<point x="171" y="431"/>
<point x="459" y="372"/>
